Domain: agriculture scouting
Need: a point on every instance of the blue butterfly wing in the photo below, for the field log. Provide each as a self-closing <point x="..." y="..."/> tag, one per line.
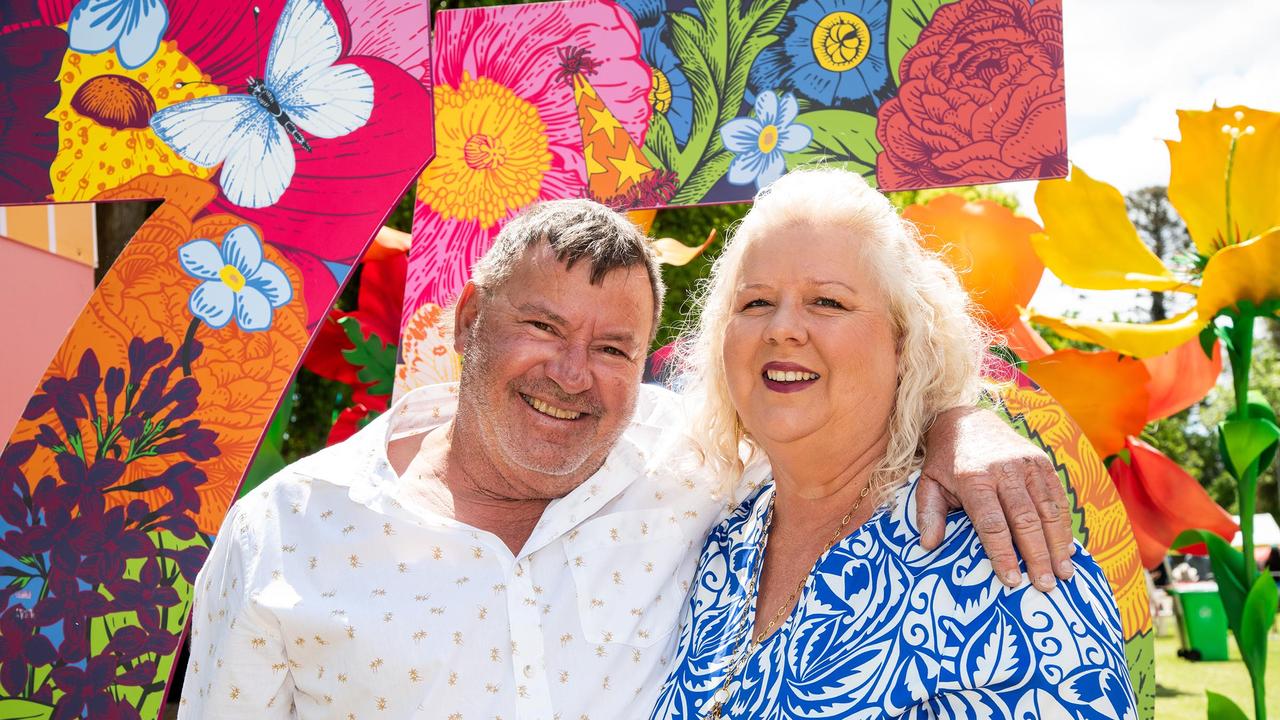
<point x="260" y="164"/>
<point x="205" y="129"/>
<point x="258" y="161"/>
<point x="323" y="99"/>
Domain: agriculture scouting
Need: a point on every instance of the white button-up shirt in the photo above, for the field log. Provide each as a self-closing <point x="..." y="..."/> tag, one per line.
<point x="326" y="596"/>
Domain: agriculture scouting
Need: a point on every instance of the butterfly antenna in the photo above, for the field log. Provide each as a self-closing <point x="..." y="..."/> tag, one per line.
<point x="257" y="42"/>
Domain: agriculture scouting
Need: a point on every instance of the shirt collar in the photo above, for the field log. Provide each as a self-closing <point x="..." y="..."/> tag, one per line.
<point x="360" y="462"/>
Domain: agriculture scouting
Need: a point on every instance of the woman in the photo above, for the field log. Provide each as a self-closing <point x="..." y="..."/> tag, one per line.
<point x="825" y="320"/>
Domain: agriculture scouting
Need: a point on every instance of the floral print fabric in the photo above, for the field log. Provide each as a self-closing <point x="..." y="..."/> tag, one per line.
<point x="885" y="629"/>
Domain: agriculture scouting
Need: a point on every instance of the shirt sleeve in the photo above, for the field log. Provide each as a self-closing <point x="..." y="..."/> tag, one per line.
<point x="238" y="667"/>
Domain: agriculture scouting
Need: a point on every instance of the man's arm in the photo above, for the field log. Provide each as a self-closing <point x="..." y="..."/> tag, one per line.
<point x="1008" y="488"/>
<point x="238" y="666"/>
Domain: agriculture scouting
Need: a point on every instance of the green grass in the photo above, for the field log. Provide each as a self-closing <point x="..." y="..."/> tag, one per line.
<point x="1180" y="684"/>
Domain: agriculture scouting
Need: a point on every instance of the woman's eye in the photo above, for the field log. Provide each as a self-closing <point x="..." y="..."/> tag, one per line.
<point x="758" y="302"/>
<point x="829" y="302"/>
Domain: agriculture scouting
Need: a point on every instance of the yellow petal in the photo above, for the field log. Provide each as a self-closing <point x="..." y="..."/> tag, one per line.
<point x="1089" y="242"/>
<point x="1247" y="271"/>
<point x="1198" y="168"/>
<point x="1137" y="339"/>
<point x="989" y="248"/>
<point x="673" y="252"/>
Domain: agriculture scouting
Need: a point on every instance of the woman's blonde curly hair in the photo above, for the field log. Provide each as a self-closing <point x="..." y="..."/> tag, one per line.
<point x="940" y="344"/>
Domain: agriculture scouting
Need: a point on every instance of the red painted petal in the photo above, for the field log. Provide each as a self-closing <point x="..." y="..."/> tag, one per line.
<point x="381" y="297"/>
<point x="1180" y="378"/>
<point x="325" y="357"/>
<point x="1179" y="496"/>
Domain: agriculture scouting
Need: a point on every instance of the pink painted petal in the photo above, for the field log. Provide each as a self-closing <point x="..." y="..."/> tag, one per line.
<point x="517" y="47"/>
<point x="393" y="31"/>
<point x="441" y="257"/>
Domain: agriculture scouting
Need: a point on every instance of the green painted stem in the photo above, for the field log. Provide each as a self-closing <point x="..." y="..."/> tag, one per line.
<point x="1241" y="356"/>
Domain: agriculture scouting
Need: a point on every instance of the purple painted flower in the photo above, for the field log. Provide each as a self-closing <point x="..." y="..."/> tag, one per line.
<point x="30" y="60"/>
<point x="20" y="648"/>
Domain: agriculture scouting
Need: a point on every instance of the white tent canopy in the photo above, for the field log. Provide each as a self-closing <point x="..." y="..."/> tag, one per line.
<point x="1265" y="531"/>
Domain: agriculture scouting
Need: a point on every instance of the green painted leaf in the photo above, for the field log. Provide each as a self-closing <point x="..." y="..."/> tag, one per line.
<point x="842" y="138"/>
<point x="717" y="48"/>
<point x="15" y="709"/>
<point x="1207" y="336"/>
<point x="375" y="359"/>
<point x="1222" y="707"/>
<point x="1139" y="653"/>
<point x="906" y="19"/>
<point x="1228" y="570"/>
<point x="660" y="143"/>
<point x="1259" y="616"/>
<point x="1246" y="440"/>
<point x="705" y="176"/>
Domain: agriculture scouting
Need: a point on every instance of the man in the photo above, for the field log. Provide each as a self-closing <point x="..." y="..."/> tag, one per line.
<point x="518" y="545"/>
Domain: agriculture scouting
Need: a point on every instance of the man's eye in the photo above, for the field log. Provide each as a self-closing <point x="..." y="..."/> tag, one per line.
<point x="829" y="302"/>
<point x="610" y="350"/>
<point x="542" y="326"/>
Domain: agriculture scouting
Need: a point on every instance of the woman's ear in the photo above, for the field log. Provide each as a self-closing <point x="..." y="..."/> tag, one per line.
<point x="465" y="312"/>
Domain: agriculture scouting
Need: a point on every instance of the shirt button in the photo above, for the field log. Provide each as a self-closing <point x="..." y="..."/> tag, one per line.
<point x="528" y="671"/>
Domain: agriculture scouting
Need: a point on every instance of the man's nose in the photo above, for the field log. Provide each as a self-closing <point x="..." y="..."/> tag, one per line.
<point x="569" y="370"/>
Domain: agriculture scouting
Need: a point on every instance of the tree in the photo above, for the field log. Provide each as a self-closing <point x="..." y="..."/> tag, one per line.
<point x="1162" y="229"/>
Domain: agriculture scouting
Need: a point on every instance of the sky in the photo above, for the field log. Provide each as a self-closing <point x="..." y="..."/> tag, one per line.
<point x="1129" y="65"/>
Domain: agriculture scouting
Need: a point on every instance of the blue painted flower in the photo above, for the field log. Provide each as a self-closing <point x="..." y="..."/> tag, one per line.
<point x="670" y="94"/>
<point x="758" y="142"/>
<point x="132" y="27"/>
<point x="833" y="53"/>
<point x="238" y="282"/>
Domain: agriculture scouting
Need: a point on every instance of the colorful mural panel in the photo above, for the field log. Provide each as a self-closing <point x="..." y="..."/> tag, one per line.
<point x="653" y="103"/>
<point x="278" y="134"/>
<point x="1099" y="520"/>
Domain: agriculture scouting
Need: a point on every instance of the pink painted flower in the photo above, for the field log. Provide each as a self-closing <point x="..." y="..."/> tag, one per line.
<point x="490" y="164"/>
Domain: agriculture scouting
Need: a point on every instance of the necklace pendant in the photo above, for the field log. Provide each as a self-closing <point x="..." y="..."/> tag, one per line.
<point x="715" y="712"/>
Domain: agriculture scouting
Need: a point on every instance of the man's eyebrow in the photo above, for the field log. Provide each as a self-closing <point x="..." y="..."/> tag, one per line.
<point x="622" y="336"/>
<point x="544" y="311"/>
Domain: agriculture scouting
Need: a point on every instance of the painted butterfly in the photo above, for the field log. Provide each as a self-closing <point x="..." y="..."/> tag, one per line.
<point x="301" y="90"/>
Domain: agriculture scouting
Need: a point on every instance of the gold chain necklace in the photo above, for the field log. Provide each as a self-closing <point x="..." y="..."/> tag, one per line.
<point x="722" y="695"/>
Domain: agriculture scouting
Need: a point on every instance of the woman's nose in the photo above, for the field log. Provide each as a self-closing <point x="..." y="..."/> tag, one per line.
<point x="786" y="326"/>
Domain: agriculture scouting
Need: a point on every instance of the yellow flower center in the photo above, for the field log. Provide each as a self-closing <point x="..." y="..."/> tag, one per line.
<point x="841" y="41"/>
<point x="103" y="137"/>
<point x="660" y="92"/>
<point x="232" y="278"/>
<point x="491" y="152"/>
<point x="768" y="139"/>
<point x="482" y="152"/>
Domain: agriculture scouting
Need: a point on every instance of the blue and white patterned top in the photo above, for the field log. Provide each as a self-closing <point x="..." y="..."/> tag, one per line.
<point x="885" y="629"/>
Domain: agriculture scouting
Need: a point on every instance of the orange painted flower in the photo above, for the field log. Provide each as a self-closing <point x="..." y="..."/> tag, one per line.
<point x="238" y="373"/>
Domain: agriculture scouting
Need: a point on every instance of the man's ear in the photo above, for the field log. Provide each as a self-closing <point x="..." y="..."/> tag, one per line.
<point x="465" y="312"/>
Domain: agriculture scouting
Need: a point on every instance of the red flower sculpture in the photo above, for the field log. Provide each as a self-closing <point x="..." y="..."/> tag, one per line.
<point x="981" y="98"/>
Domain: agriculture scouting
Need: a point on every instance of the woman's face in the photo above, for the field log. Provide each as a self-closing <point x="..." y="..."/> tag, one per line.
<point x="809" y="349"/>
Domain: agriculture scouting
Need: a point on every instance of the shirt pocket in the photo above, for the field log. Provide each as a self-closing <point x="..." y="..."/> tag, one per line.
<point x="628" y="570"/>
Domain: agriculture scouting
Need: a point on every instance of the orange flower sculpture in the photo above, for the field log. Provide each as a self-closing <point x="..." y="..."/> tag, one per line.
<point x="1112" y="397"/>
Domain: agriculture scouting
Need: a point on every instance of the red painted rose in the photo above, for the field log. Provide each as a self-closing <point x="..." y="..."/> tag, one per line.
<point x="981" y="99"/>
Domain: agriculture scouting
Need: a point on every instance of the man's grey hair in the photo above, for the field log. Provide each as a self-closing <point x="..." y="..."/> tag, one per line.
<point x="576" y="230"/>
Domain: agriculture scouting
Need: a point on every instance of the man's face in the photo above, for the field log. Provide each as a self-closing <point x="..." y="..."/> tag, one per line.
<point x="551" y="369"/>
